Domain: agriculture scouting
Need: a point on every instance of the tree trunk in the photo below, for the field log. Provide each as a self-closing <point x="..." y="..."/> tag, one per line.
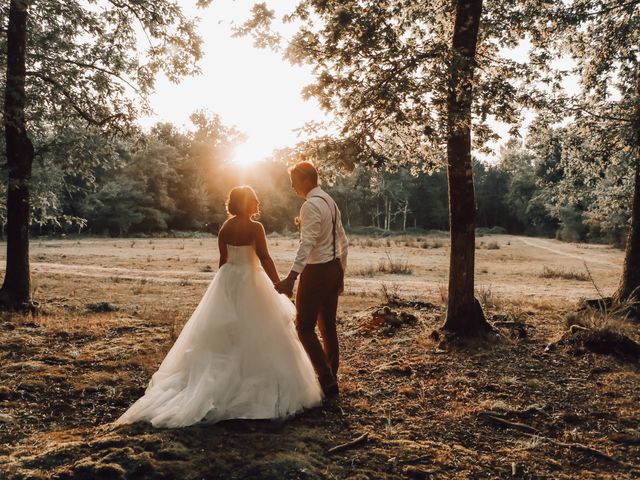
<point x="15" y="292"/>
<point x="387" y="213"/>
<point x="405" y="211"/>
<point x="464" y="313"/>
<point x="377" y="218"/>
<point x="629" y="288"/>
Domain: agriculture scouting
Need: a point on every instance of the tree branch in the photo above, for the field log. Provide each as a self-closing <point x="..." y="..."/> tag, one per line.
<point x="136" y="14"/>
<point x="93" y="66"/>
<point x="82" y="113"/>
<point x="607" y="9"/>
<point x="580" y="109"/>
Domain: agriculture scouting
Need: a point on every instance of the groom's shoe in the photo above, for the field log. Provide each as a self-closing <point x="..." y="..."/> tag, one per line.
<point x="331" y="390"/>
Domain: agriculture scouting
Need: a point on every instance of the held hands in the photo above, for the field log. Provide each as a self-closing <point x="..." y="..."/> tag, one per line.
<point x="286" y="286"/>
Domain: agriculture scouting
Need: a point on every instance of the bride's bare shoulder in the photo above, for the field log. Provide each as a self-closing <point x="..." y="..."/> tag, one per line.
<point x="226" y="227"/>
<point x="257" y="225"/>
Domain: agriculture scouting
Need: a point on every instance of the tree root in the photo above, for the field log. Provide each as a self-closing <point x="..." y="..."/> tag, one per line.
<point x="8" y="303"/>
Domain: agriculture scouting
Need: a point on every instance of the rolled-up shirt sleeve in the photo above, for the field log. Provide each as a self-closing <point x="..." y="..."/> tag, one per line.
<point x="310" y="222"/>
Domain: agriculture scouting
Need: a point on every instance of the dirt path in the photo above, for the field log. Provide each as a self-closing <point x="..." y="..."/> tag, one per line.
<point x="134" y="274"/>
<point x="567" y="250"/>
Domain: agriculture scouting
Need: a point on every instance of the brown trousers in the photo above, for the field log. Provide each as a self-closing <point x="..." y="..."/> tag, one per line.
<point x="317" y="302"/>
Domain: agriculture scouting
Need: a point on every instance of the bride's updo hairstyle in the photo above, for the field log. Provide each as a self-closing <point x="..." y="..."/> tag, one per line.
<point x="242" y="201"/>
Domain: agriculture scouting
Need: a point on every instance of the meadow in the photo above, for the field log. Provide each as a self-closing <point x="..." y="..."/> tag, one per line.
<point x="531" y="404"/>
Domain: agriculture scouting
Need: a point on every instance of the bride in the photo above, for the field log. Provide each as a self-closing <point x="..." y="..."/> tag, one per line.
<point x="239" y="355"/>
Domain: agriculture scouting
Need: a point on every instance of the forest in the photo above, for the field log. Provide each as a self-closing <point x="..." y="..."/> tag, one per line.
<point x="485" y="324"/>
<point x="173" y="180"/>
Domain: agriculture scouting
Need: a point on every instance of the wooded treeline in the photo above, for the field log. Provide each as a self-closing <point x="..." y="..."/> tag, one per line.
<point x="174" y="179"/>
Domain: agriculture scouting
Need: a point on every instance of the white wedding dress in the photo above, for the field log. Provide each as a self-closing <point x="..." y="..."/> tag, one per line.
<point x="238" y="356"/>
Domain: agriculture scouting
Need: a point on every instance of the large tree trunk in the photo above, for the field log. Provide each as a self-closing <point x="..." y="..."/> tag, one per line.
<point x="464" y="313"/>
<point x="629" y="288"/>
<point x="15" y="293"/>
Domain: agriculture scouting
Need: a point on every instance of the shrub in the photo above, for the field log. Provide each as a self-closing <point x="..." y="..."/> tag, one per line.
<point x="368" y="271"/>
<point x="394" y="266"/>
<point x="564" y="274"/>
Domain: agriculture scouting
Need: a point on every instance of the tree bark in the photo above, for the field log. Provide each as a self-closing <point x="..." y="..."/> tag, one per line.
<point x="629" y="288"/>
<point x="464" y="313"/>
<point x="405" y="211"/>
<point x="16" y="289"/>
<point x="387" y="213"/>
<point x="376" y="222"/>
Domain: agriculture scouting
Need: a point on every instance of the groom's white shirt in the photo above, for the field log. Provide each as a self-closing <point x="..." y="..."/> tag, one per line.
<point x="316" y="231"/>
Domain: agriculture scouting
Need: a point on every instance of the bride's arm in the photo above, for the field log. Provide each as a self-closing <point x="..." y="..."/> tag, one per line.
<point x="222" y="247"/>
<point x="263" y="253"/>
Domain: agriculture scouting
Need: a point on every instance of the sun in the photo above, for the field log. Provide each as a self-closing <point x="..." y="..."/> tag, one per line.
<point x="248" y="153"/>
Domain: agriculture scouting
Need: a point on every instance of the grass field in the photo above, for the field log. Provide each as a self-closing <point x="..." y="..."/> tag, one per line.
<point x="511" y="266"/>
<point x="426" y="412"/>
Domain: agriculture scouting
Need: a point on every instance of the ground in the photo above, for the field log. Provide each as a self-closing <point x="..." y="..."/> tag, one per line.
<point x="510" y="408"/>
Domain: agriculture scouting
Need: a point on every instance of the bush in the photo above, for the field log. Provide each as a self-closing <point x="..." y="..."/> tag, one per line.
<point x="491" y="231"/>
<point x="394" y="266"/>
<point x="564" y="274"/>
<point x="369" y="231"/>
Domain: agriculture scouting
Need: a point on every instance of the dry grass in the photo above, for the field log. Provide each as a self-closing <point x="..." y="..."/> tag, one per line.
<point x="614" y="317"/>
<point x="487" y="298"/>
<point x="67" y="373"/>
<point x="564" y="274"/>
<point x="512" y="270"/>
<point x="419" y="406"/>
<point x="367" y="271"/>
<point x="435" y="243"/>
<point x="394" y="266"/>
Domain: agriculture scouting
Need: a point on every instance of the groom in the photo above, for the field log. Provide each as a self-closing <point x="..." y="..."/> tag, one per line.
<point x="320" y="262"/>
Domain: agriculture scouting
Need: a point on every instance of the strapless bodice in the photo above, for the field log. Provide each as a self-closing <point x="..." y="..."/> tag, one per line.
<point x="241" y="255"/>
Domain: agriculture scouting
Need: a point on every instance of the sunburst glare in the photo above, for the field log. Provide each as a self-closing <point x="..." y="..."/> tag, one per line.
<point x="249" y="152"/>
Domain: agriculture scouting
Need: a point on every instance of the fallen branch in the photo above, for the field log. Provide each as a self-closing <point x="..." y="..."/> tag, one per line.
<point x="352" y="443"/>
<point x="506" y="423"/>
<point x="572" y="330"/>
<point x="577" y="446"/>
<point x="533" y="432"/>
<point x="586" y="449"/>
<point x="590" y="450"/>
<point x="420" y="459"/>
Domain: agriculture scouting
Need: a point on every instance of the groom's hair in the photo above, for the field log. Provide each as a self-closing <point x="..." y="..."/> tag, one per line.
<point x="305" y="169"/>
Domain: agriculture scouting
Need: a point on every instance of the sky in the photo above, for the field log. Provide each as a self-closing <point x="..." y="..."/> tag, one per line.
<point x="252" y="89"/>
<point x="255" y="90"/>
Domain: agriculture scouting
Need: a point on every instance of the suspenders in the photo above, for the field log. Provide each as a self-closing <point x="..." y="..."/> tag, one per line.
<point x="333" y="219"/>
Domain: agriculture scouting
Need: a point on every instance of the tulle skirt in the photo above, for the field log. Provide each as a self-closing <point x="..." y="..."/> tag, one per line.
<point x="238" y="356"/>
